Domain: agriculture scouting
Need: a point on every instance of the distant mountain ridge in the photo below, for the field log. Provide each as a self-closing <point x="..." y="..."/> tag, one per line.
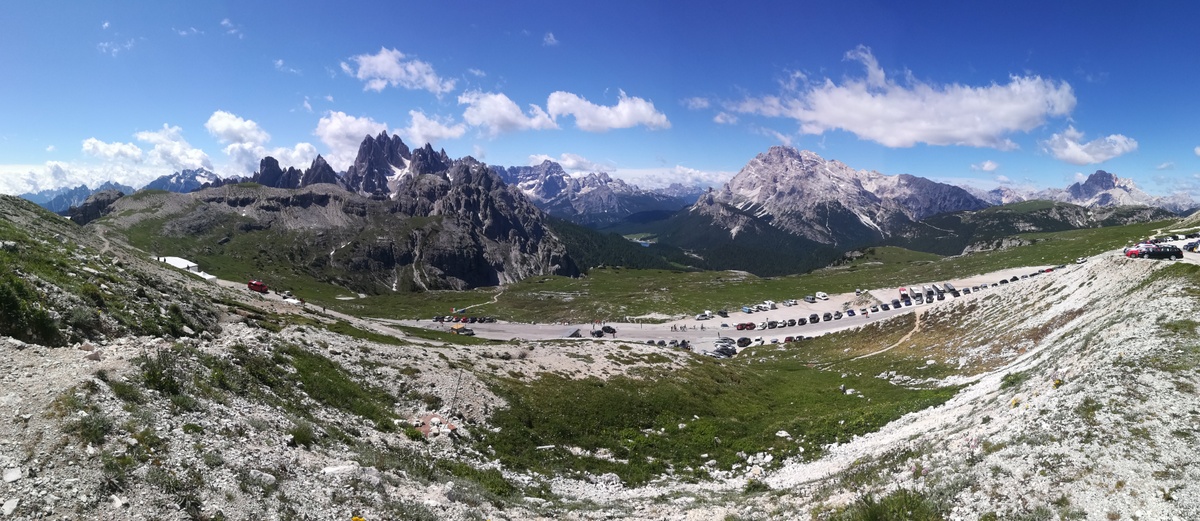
<point x="61" y="200"/>
<point x="1101" y="189"/>
<point x="594" y="199"/>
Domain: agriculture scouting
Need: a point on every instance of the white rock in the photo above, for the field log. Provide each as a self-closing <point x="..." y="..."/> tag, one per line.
<point x="10" y="506"/>
<point x="339" y="470"/>
<point x="118" y="501"/>
<point x="262" y="478"/>
<point x="11" y="475"/>
<point x="783" y="434"/>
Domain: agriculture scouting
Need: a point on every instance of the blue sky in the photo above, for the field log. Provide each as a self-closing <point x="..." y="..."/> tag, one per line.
<point x="1026" y="94"/>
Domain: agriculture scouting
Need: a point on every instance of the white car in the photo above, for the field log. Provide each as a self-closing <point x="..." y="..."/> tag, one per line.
<point x="821" y="295"/>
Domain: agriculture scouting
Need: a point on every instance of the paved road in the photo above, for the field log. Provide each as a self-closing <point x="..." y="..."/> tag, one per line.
<point x="702" y="340"/>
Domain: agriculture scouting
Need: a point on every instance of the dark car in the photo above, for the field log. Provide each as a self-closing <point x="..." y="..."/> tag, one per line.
<point x="609" y="329"/>
<point x="850" y="312"/>
<point x="837" y="315"/>
<point x="743" y="342"/>
<point x="1163" y="252"/>
<point x="896" y="303"/>
<point x="884" y="307"/>
<point x="801" y="321"/>
<point x="791" y="322"/>
<point x="723" y="314"/>
<point x="814" y="318"/>
<point x="941" y="296"/>
<point x="827" y="316"/>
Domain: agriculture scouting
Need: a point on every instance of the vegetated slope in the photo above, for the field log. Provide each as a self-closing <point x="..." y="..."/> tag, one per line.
<point x="590" y="249"/>
<point x="62" y="284"/>
<point x="959" y="232"/>
<point x="455" y="229"/>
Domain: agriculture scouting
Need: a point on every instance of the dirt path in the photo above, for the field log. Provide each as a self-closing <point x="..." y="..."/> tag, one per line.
<point x="495" y="299"/>
<point x="916" y="327"/>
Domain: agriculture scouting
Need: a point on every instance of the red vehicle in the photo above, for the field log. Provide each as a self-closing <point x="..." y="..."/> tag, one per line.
<point x="257" y="285"/>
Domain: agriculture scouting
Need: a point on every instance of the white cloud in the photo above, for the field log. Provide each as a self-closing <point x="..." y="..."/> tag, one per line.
<point x="1003" y="179"/>
<point x="895" y="114"/>
<point x="423" y="130"/>
<point x="50" y="148"/>
<point x="188" y="32"/>
<point x="343" y="134"/>
<point x="230" y="128"/>
<point x="1079" y="177"/>
<point x="329" y="98"/>
<point x="549" y="40"/>
<point x="628" y="112"/>
<point x="499" y="114"/>
<point x="651" y="178"/>
<point x="725" y="118"/>
<point x="696" y="103"/>
<point x="783" y="139"/>
<point x="389" y="67"/>
<point x="477" y="72"/>
<point x="170" y="149"/>
<point x="112" y="151"/>
<point x="986" y="166"/>
<point x="232" y="29"/>
<point x="1165" y="166"/>
<point x="1196" y="151"/>
<point x="307" y="106"/>
<point x="104" y="25"/>
<point x="114" y="48"/>
<point x="478" y="152"/>
<point x="1068" y="147"/>
<point x="245" y="143"/>
<point x="281" y="67"/>
<point x="570" y="162"/>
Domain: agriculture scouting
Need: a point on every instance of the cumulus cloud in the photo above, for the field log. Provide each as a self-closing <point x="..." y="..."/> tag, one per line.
<point x="499" y="114"/>
<point x="902" y="114"/>
<point x="725" y="118"/>
<point x="570" y="162"/>
<point x="696" y="103"/>
<point x="549" y="40"/>
<point x="1068" y="146"/>
<point x="391" y="67"/>
<point x="342" y="134"/>
<point x="628" y="112"/>
<point x="170" y="149"/>
<point x="112" y="151"/>
<point x="231" y="128"/>
<point x="1165" y="166"/>
<point x="104" y="25"/>
<point x="245" y="143"/>
<point x="1196" y="151"/>
<point x="477" y="72"/>
<point x="1003" y="179"/>
<point x="986" y="166"/>
<point x="423" y="129"/>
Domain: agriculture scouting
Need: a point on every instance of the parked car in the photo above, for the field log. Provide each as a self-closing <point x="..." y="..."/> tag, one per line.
<point x="257" y="285"/>
<point x="801" y="321"/>
<point x="884" y="307"/>
<point x="609" y="329"/>
<point x="1163" y="252"/>
<point x="874" y="308"/>
<point x="827" y="316"/>
<point x="896" y="303"/>
<point x="791" y="322"/>
<point x="821" y="295"/>
<point x="814" y="318"/>
<point x="837" y="315"/>
<point x="850" y="312"/>
<point x="810" y="299"/>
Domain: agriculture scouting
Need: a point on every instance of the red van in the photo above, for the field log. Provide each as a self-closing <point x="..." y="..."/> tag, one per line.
<point x="257" y="285"/>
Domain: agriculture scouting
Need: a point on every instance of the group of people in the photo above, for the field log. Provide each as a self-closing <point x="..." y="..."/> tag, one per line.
<point x="684" y="327"/>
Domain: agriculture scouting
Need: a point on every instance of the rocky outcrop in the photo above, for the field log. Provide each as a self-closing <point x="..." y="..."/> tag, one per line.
<point x="319" y="172"/>
<point x="269" y="174"/>
<point x="379" y="158"/>
<point x="183" y="181"/>
<point x="96" y="206"/>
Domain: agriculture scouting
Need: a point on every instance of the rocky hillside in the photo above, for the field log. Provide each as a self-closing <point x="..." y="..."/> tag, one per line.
<point x="183" y="181"/>
<point x="61" y="200"/>
<point x="830" y="203"/>
<point x="455" y="229"/>
<point x="1067" y="395"/>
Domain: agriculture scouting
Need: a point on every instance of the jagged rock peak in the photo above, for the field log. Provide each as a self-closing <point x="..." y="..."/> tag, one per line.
<point x="426" y="161"/>
<point x="379" y="158"/>
<point x="319" y="172"/>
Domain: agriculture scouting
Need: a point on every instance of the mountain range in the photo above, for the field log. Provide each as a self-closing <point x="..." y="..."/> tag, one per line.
<point x="594" y="199"/>
<point x="1101" y="189"/>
